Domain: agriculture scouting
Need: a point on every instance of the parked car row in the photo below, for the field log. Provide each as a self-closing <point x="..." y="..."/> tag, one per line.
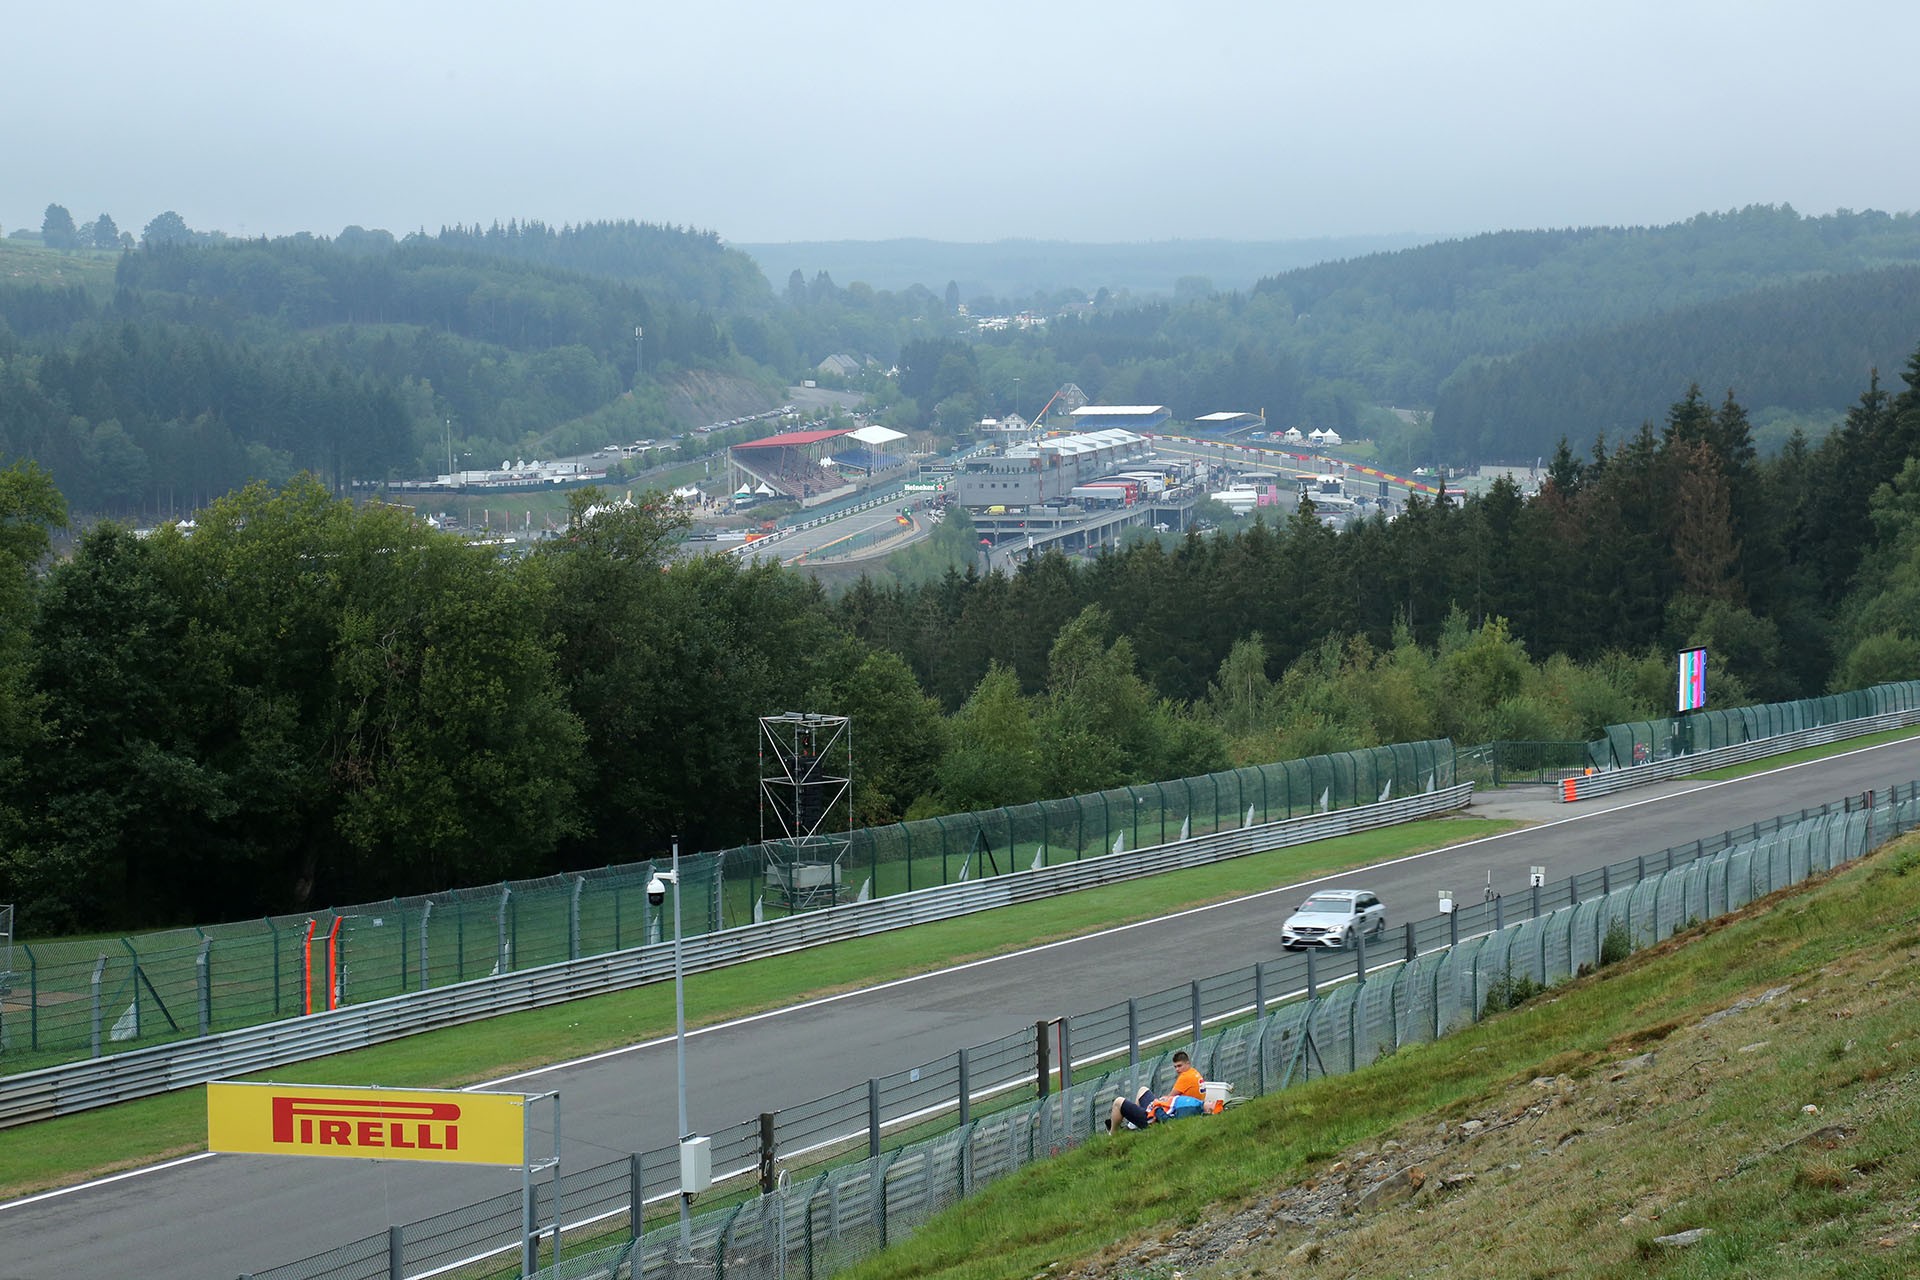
<point x="712" y="427"/>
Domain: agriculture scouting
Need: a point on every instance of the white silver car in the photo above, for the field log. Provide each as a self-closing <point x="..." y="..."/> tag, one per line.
<point x="1334" y="918"/>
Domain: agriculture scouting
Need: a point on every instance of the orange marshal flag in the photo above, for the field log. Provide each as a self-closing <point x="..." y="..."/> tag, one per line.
<point x="446" y="1125"/>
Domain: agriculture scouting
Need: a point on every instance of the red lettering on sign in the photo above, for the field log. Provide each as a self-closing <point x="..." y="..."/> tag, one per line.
<point x="378" y="1124"/>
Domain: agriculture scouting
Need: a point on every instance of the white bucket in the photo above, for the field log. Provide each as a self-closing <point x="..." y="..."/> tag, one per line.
<point x="1213" y="1094"/>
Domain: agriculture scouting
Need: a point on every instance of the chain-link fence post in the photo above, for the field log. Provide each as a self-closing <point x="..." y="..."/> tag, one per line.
<point x="768" y="1154"/>
<point x="636" y="1198"/>
<point x="426" y="914"/>
<point x="1133" y="1046"/>
<point x="203" y="974"/>
<point x="1043" y="1052"/>
<point x="503" y="960"/>
<point x="966" y="1087"/>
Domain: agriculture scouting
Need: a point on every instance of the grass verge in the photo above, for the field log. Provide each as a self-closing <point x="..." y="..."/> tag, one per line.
<point x="1803" y="755"/>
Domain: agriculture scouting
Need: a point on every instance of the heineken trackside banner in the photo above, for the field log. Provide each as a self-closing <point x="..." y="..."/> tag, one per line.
<point x="443" y="1125"/>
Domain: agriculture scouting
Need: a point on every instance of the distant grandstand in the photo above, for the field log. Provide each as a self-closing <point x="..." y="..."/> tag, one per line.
<point x="813" y="467"/>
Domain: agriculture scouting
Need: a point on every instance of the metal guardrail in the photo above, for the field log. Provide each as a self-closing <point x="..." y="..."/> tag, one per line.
<point x="1586" y="786"/>
<point x="97" y="1082"/>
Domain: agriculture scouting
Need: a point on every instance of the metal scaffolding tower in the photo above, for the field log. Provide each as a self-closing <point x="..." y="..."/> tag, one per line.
<point x="806" y="806"/>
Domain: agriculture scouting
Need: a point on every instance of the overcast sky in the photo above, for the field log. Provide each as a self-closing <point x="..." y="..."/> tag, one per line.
<point x="977" y="121"/>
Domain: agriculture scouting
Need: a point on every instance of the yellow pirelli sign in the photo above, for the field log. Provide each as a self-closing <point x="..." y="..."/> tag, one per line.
<point x="367" y="1124"/>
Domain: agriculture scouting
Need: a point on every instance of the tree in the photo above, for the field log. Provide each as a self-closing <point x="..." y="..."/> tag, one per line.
<point x="166" y="228"/>
<point x="376" y="699"/>
<point x="120" y="811"/>
<point x="1239" y="696"/>
<point x="899" y="735"/>
<point x="30" y="508"/>
<point x="953" y="297"/>
<point x="1705" y="554"/>
<point x="106" y="235"/>
<point x="994" y="758"/>
<point x="57" y="230"/>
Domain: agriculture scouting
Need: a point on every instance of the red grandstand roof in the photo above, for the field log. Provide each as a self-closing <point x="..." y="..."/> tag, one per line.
<point x="793" y="439"/>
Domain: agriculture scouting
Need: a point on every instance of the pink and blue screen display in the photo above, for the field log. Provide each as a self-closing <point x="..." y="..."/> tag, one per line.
<point x="1693" y="679"/>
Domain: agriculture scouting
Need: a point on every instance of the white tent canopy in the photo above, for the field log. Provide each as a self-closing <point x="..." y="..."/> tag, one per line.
<point x="872" y="435"/>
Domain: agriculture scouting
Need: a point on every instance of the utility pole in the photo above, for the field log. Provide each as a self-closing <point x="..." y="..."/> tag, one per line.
<point x="638" y="333"/>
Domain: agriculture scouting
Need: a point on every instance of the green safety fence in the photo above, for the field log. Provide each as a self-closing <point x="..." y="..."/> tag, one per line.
<point x="69" y="999"/>
<point x="1622" y="746"/>
<point x="879" y="861"/>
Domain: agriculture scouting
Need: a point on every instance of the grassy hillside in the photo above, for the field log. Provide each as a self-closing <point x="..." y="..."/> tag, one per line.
<point x="1749" y="1080"/>
<point x="30" y="264"/>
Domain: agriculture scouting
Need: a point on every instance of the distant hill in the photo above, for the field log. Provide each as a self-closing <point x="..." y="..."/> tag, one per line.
<point x="1807" y="346"/>
<point x="681" y="263"/>
<point x="1400" y="324"/>
<point x="1020" y="268"/>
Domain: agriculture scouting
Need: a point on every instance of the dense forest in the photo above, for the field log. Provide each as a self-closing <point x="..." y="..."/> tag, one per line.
<point x="213" y="362"/>
<point x="306" y="702"/>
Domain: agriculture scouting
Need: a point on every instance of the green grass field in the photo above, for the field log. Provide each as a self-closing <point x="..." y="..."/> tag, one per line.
<point x="30" y="264"/>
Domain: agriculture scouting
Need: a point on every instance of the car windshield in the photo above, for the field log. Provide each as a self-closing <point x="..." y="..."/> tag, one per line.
<point x="1328" y="906"/>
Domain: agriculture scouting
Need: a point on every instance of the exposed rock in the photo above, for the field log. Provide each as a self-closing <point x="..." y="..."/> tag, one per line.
<point x="1741" y="1006"/>
<point x="1681" y="1239"/>
<point x="1392" y="1189"/>
<point x="1622" y="1068"/>
<point x="1826" y="1139"/>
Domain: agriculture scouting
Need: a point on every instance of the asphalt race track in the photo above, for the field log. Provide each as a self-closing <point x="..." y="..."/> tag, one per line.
<point x="221" y="1216"/>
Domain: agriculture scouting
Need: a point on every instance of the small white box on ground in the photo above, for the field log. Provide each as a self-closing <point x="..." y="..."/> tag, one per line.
<point x="696" y="1165"/>
<point x="1213" y="1094"/>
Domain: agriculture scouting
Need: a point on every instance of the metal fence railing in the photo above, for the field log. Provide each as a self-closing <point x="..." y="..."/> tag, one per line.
<point x="860" y="1169"/>
<point x="1622" y="746"/>
<point x="1499" y="764"/>
<point x="91" y="997"/>
<point x="1587" y="784"/>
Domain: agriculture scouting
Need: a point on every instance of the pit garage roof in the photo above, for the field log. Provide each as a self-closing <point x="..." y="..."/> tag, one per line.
<point x="1119" y="411"/>
<point x="1084" y="442"/>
